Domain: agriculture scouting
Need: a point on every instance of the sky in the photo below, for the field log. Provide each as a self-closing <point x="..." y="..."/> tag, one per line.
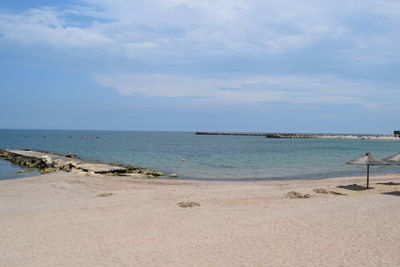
<point x="184" y="65"/>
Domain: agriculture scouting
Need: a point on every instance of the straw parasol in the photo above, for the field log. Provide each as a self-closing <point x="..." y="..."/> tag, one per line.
<point x="394" y="158"/>
<point x="367" y="159"/>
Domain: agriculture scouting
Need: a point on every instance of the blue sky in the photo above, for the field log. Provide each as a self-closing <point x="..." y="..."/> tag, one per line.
<point x="227" y="65"/>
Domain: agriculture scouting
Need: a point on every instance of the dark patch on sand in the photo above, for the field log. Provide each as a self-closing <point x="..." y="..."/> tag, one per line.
<point x="294" y="194"/>
<point x="188" y="204"/>
<point x="393" y="193"/>
<point x="337" y="193"/>
<point x="75" y="182"/>
<point x="105" y="195"/>
<point x="354" y="187"/>
<point x="389" y="183"/>
<point x="324" y="191"/>
<point x="321" y="191"/>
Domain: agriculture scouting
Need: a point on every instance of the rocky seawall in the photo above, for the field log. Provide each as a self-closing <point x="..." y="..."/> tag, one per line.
<point x="49" y="162"/>
<point x="295" y="135"/>
<point x="267" y="135"/>
<point x="239" y="134"/>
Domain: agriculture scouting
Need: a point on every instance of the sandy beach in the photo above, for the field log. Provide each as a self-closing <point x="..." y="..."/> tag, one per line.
<point x="64" y="219"/>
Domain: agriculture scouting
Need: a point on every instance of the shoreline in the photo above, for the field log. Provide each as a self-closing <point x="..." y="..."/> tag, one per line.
<point x="285" y="178"/>
<point x="45" y="162"/>
<point x="194" y="179"/>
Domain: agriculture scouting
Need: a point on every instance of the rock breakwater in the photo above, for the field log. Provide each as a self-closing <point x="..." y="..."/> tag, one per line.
<point x="267" y="135"/>
<point x="296" y="135"/>
<point x="49" y="162"/>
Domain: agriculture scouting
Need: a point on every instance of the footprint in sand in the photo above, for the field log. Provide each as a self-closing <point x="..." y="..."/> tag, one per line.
<point x="188" y="204"/>
<point x="324" y="191"/>
<point x="294" y="194"/>
<point x="105" y="195"/>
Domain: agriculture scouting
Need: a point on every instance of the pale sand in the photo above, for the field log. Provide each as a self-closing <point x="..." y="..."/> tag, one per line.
<point x="67" y="220"/>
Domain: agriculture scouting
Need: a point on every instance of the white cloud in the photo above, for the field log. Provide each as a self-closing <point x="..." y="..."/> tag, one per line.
<point x="155" y="32"/>
<point x="261" y="88"/>
<point x="183" y="28"/>
<point x="46" y="27"/>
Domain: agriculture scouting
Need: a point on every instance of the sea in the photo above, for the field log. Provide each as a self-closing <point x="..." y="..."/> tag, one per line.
<point x="205" y="157"/>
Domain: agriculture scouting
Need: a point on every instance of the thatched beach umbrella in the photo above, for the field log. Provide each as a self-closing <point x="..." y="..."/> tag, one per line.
<point x="394" y="158"/>
<point x="367" y="159"/>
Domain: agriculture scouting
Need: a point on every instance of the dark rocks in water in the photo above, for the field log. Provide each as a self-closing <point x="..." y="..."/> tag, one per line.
<point x="152" y="174"/>
<point x="45" y="171"/>
<point x="155" y="173"/>
<point x="25" y="171"/>
<point x="70" y="155"/>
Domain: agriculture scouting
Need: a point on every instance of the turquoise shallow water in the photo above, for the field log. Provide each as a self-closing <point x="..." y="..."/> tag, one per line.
<point x="9" y="171"/>
<point x="207" y="157"/>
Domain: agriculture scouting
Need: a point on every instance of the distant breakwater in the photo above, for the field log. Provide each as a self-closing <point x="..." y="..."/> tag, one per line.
<point x="267" y="135"/>
<point x="296" y="135"/>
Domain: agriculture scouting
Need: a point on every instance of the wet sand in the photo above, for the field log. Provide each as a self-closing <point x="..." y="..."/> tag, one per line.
<point x="67" y="219"/>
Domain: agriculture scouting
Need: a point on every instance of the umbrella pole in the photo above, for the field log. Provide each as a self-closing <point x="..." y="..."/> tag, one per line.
<point x="367" y="176"/>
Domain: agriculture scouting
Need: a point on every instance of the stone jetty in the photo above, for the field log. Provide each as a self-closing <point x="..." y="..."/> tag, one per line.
<point x="239" y="134"/>
<point x="295" y="135"/>
<point x="267" y="135"/>
<point x="48" y="162"/>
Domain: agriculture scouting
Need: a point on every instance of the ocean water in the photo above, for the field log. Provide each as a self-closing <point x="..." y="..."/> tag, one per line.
<point x="207" y="157"/>
<point x="9" y="171"/>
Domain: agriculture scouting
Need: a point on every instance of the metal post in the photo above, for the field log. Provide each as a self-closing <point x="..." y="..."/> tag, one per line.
<point x="367" y="176"/>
